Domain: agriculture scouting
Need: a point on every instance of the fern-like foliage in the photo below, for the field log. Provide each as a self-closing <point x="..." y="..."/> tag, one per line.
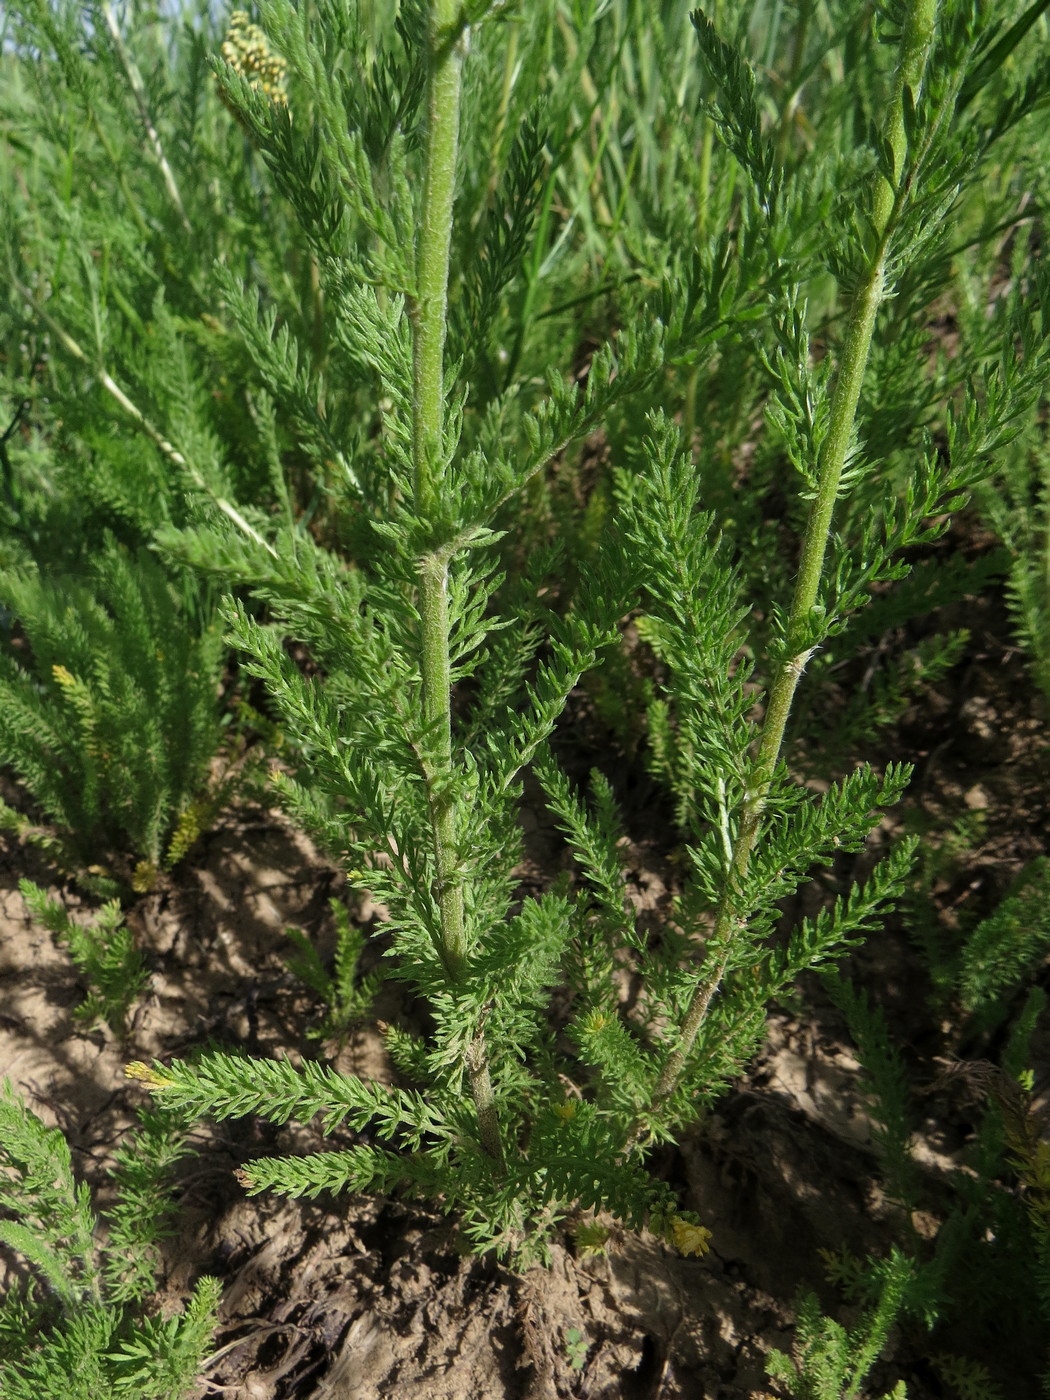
<point x="988" y="1258"/>
<point x="436" y="683"/>
<point x="108" y="708"/>
<point x="885" y="1086"/>
<point x="1016" y="503"/>
<point x="347" y="997"/>
<point x="80" y="1327"/>
<point x="365" y="381"/>
<point x="968" y="1379"/>
<point x="102" y="950"/>
<point x="831" y="1362"/>
<point x="1004" y="949"/>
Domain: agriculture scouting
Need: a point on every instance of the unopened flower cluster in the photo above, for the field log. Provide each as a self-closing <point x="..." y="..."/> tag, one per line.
<point x="247" y="51"/>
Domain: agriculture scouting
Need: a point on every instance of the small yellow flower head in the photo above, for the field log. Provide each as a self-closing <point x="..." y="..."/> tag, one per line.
<point x="152" y="1078"/>
<point x="192" y="821"/>
<point x="590" y="1237"/>
<point x="689" y="1238"/>
<point x="594" y="1022"/>
<point x="144" y="877"/>
<point x="565" y="1110"/>
<point x="248" y="52"/>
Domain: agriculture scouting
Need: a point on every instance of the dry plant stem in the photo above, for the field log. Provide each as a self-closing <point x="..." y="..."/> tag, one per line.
<point x="138" y="87"/>
<point x="134" y="412"/>
<point x="448" y="42"/>
<point x="731" y="916"/>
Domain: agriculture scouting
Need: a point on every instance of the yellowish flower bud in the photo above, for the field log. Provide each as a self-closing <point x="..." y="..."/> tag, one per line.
<point x="146" y="1074"/>
<point x="689" y="1238"/>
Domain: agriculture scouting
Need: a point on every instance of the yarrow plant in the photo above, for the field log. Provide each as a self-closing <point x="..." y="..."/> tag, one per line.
<point x="474" y="247"/>
<point x="432" y="698"/>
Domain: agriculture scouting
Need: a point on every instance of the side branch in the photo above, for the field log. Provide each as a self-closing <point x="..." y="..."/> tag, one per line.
<point x="733" y="912"/>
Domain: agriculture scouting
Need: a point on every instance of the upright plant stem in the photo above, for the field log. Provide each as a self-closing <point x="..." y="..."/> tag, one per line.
<point x="429" y="320"/>
<point x="732" y="914"/>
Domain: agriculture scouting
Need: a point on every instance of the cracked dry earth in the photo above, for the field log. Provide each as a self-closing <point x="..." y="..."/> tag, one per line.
<point x="362" y="1299"/>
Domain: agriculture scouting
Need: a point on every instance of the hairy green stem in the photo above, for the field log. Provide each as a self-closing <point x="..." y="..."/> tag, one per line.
<point x="731" y="915"/>
<point x="429" y="317"/>
<point x="448" y="41"/>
